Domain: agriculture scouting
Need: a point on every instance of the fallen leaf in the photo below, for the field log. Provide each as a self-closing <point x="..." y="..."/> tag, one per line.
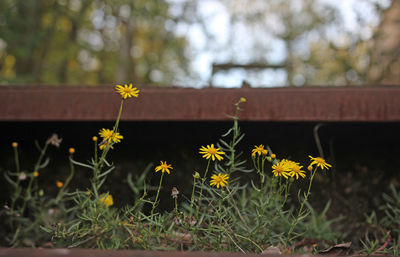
<point x="339" y="249"/>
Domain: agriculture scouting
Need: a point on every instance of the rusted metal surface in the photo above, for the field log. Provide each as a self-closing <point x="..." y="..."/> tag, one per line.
<point x="372" y="104"/>
<point x="23" y="252"/>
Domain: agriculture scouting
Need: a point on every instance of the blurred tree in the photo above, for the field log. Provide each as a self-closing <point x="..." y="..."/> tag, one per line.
<point x="89" y="42"/>
<point x="104" y="41"/>
<point x="318" y="50"/>
<point x="359" y="61"/>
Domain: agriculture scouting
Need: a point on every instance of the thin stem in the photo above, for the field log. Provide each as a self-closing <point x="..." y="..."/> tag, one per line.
<point x="238" y="211"/>
<point x="201" y="188"/>
<point x="42" y="154"/>
<point x="16" y="159"/>
<point x="67" y="181"/>
<point x="17" y="192"/>
<point x="158" y="193"/>
<point x="301" y="206"/>
<point x="176" y="206"/>
<point x="96" y="157"/>
<point x="192" y="197"/>
<point x="35" y="168"/>
<point x="100" y="163"/>
<point x="119" y="116"/>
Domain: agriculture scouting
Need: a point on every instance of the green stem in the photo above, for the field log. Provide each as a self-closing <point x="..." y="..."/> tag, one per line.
<point x="67" y="181"/>
<point x="42" y="154"/>
<point x="35" y="168"/>
<point x="201" y="188"/>
<point x="237" y="210"/>
<point x="176" y="206"/>
<point x="119" y="116"/>
<point x="96" y="157"/>
<point x="158" y="193"/>
<point x="100" y="164"/>
<point x="17" y="192"/>
<point x="192" y="198"/>
<point x="16" y="159"/>
<point x="301" y="207"/>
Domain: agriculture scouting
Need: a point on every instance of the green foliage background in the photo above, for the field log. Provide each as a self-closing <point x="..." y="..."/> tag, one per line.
<point x="53" y="41"/>
<point x="90" y="42"/>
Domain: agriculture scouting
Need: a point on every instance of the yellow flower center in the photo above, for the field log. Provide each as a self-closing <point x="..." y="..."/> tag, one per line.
<point x="212" y="151"/>
<point x="218" y="179"/>
<point x="279" y="169"/>
<point x="319" y="160"/>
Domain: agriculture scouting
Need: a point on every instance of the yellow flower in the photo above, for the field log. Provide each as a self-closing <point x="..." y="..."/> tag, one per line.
<point x="59" y="184"/>
<point x="164" y="167"/>
<point x="36" y="174"/>
<point x="281" y="169"/>
<point x="110" y="135"/>
<point x="219" y="180"/>
<point x="14" y="144"/>
<point x="243" y="100"/>
<point x="94" y="138"/>
<point x="106" y="200"/>
<point x="320" y="162"/>
<point x="71" y="150"/>
<point x="273" y="156"/>
<point x="106" y="134"/>
<point x="211" y="151"/>
<point x="259" y="150"/>
<point x="296" y="171"/>
<point x="127" y="91"/>
<point x="289" y="163"/>
<point x="116" y="137"/>
<point x="309" y="168"/>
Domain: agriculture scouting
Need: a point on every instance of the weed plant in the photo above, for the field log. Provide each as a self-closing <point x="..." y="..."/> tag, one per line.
<point x="226" y="210"/>
<point x="383" y="235"/>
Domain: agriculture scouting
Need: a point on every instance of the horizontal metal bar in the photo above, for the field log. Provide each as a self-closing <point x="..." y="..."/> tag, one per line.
<point x="69" y="103"/>
<point x="15" y="252"/>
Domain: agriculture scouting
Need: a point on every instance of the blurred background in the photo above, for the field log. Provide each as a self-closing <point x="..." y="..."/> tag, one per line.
<point x="200" y="43"/>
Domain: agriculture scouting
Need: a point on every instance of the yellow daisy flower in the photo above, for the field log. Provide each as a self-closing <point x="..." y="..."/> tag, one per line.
<point x="259" y="150"/>
<point x="211" y="151"/>
<point x="281" y="169"/>
<point x="106" y="134"/>
<point x="320" y="162"/>
<point x="110" y="135"/>
<point x="106" y="200"/>
<point x="164" y="167"/>
<point x="219" y="180"/>
<point x="127" y="91"/>
<point x="116" y="137"/>
<point x="296" y="171"/>
<point x="36" y="174"/>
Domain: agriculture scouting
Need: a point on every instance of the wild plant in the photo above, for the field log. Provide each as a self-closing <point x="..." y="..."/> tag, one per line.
<point x="231" y="207"/>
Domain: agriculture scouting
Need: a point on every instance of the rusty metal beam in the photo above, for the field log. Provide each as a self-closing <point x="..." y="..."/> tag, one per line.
<point x="62" y="252"/>
<point x="52" y="103"/>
